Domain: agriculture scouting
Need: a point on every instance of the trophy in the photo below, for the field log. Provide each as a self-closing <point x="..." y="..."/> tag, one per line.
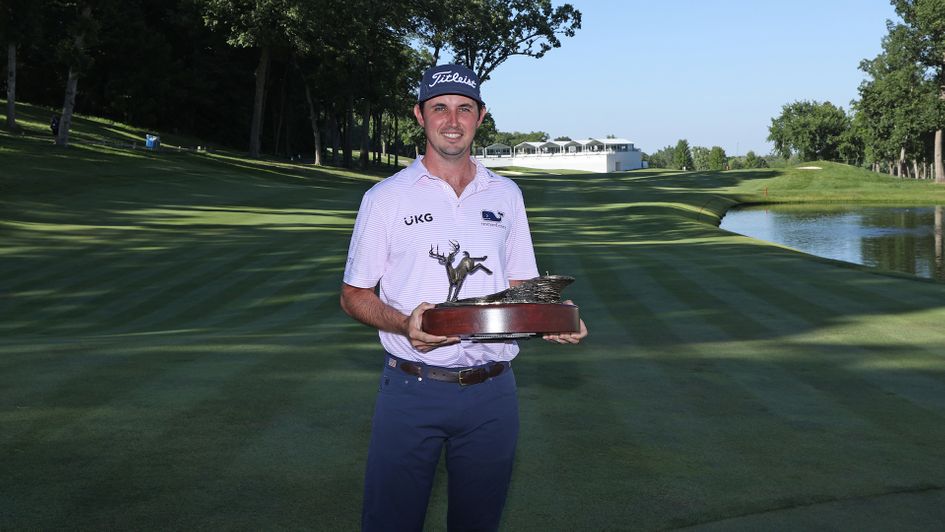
<point x="531" y="308"/>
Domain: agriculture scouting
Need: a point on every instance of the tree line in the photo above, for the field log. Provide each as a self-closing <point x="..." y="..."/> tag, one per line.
<point x="702" y="159"/>
<point x="896" y="124"/>
<point x="269" y="76"/>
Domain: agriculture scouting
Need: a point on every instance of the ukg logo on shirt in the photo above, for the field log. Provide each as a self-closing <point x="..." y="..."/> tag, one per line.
<point x="418" y="218"/>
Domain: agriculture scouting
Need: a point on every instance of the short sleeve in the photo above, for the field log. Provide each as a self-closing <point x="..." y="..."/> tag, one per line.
<point x="367" y="253"/>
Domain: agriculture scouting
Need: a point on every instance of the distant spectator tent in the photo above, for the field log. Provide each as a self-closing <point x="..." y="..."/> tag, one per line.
<point x="592" y="155"/>
<point x="497" y="150"/>
<point x="528" y="148"/>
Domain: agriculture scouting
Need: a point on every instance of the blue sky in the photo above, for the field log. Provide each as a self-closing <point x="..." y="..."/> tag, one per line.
<point x="713" y="72"/>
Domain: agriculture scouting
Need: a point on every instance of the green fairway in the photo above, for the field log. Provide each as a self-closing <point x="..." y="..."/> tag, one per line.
<point x="173" y="356"/>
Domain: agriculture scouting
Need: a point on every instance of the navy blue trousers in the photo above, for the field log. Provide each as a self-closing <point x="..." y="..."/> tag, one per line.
<point x="414" y="419"/>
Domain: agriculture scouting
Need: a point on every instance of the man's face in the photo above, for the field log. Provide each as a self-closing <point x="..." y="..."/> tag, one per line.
<point x="450" y="123"/>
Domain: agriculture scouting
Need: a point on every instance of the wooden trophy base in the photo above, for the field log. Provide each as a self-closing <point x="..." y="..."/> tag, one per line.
<point x="500" y="321"/>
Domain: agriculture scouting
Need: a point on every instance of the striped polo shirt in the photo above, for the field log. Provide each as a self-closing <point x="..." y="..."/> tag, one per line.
<point x="404" y="217"/>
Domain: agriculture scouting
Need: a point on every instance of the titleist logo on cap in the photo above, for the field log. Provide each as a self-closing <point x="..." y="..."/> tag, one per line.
<point x="449" y="79"/>
<point x="452" y="77"/>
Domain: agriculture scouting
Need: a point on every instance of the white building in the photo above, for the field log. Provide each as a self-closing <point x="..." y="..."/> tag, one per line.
<point x="592" y="155"/>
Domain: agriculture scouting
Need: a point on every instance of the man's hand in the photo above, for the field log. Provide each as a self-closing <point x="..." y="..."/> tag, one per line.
<point x="363" y="305"/>
<point x="420" y="340"/>
<point x="568" y="338"/>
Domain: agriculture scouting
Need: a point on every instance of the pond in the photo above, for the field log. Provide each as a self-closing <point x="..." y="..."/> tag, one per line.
<point x="903" y="239"/>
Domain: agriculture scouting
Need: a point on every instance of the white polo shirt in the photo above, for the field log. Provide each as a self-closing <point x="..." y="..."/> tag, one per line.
<point x="405" y="215"/>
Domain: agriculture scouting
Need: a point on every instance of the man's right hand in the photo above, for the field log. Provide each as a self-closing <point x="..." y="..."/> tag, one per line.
<point x="420" y="340"/>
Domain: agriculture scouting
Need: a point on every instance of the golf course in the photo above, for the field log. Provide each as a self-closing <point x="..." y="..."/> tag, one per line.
<point x="173" y="354"/>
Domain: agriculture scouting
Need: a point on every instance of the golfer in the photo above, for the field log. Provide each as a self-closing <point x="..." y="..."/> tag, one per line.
<point x="439" y="392"/>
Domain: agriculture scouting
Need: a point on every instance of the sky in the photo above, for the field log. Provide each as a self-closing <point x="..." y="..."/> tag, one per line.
<point x="713" y="72"/>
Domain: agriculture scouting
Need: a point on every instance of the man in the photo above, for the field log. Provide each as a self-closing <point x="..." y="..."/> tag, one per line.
<point x="444" y="200"/>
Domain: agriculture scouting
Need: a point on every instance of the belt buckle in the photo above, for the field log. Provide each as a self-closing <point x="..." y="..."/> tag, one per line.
<point x="463" y="372"/>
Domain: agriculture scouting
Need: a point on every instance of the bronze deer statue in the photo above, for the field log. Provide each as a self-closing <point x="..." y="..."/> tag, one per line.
<point x="457" y="275"/>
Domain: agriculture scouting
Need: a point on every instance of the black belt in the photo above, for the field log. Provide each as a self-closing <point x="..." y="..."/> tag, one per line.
<point x="464" y="377"/>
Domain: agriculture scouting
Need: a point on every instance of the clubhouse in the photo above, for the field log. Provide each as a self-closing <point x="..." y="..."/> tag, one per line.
<point x="592" y="155"/>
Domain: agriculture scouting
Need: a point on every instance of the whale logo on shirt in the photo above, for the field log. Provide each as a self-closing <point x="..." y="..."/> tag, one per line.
<point x="490" y="216"/>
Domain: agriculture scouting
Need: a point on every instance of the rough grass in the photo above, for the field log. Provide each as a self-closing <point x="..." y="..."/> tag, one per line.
<point x="172" y="354"/>
<point x="842" y="183"/>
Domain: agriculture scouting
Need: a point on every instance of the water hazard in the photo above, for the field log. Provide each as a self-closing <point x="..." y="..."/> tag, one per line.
<point x="903" y="239"/>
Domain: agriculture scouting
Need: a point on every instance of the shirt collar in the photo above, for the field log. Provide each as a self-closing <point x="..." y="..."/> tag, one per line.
<point x="481" y="180"/>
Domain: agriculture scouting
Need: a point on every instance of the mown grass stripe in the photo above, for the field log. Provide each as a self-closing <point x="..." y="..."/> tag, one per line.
<point x="137" y="308"/>
<point x="868" y="293"/>
<point x="211" y="435"/>
<point x="71" y="290"/>
<point x="655" y="321"/>
<point x="285" y="295"/>
<point x="924" y="391"/>
<point x="781" y="390"/>
<point x="195" y="302"/>
<point x="275" y="297"/>
<point x="900" y="309"/>
<point x="128" y="405"/>
<point x="30" y="259"/>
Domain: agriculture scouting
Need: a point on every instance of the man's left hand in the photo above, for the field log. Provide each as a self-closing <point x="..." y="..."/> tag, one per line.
<point x="568" y="338"/>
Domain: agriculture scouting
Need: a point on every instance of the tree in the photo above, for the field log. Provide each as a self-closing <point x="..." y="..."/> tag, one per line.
<point x="751" y="160"/>
<point x="324" y="70"/>
<point x="924" y="23"/>
<point x="413" y="135"/>
<point x="361" y="75"/>
<point x="19" y="23"/>
<point x="811" y="129"/>
<point x="517" y="137"/>
<point x="403" y="98"/>
<point x="893" y="115"/>
<point x="484" y="34"/>
<point x="261" y="25"/>
<point x="487" y="133"/>
<point x="563" y="139"/>
<point x="700" y="158"/>
<point x="682" y="158"/>
<point x="375" y="38"/>
<point x="662" y="158"/>
<point x="851" y="149"/>
<point x="716" y="158"/>
<point x="156" y="65"/>
<point x="74" y="52"/>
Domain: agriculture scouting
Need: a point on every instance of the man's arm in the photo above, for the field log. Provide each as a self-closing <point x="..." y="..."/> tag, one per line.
<point x="363" y="305"/>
